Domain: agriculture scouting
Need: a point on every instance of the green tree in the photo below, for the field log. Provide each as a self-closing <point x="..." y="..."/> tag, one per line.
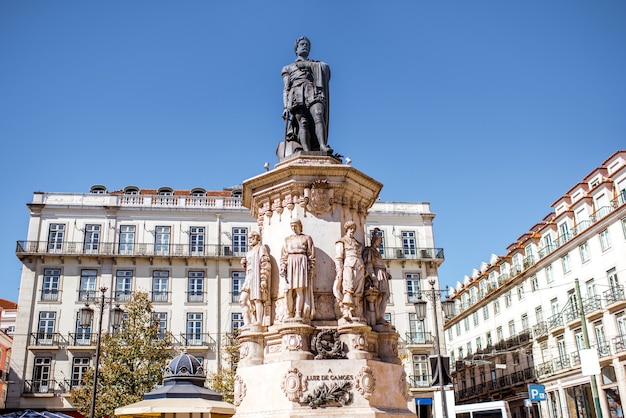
<point x="132" y="361"/>
<point x="223" y="381"/>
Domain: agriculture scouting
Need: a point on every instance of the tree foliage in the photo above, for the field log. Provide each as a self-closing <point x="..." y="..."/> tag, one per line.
<point x="132" y="361"/>
<point x="223" y="381"/>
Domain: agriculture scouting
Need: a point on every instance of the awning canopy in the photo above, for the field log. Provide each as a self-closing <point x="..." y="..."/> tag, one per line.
<point x="29" y="413"/>
<point x="156" y="407"/>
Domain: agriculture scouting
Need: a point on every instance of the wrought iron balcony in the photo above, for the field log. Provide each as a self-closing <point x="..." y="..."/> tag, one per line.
<point x="614" y="294"/>
<point x="109" y="249"/>
<point x="82" y="339"/>
<point x="46" y="339"/>
<point x="198" y="340"/>
<point x="45" y="386"/>
<point x="394" y="253"/>
<point x="419" y="381"/>
<point x="419" y="338"/>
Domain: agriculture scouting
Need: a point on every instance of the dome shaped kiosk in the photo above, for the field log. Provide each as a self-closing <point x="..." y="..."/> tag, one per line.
<point x="183" y="393"/>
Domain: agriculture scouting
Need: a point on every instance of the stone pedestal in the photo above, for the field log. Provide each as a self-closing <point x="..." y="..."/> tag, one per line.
<point x="317" y="365"/>
<point x="322" y="388"/>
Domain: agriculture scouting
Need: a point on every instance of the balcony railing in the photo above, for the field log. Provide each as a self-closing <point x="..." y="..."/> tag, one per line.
<point x="195" y="297"/>
<point x="540" y="329"/>
<point x="82" y="339"/>
<point x="160" y="296"/>
<point x="198" y="340"/>
<point x="614" y="294"/>
<point x="419" y="381"/>
<point x="49" y="295"/>
<point x="45" y="386"/>
<point x="45" y="339"/>
<point x="416" y="338"/>
<point x="412" y="253"/>
<point x="555" y="321"/>
<point x="619" y="343"/>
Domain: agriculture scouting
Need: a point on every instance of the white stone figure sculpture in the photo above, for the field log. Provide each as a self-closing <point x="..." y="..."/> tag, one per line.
<point x="350" y="273"/>
<point x="377" y="276"/>
<point x="255" y="293"/>
<point x="297" y="267"/>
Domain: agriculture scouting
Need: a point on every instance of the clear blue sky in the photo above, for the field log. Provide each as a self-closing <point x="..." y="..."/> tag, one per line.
<point x="489" y="110"/>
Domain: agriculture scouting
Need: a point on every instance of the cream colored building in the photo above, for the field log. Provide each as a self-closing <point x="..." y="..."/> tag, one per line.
<point x="183" y="247"/>
<point x="521" y="319"/>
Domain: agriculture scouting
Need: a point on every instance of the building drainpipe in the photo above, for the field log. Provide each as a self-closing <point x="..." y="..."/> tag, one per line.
<point x="218" y="342"/>
<point x="583" y="323"/>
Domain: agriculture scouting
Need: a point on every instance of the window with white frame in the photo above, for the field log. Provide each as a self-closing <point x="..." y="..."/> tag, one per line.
<point x="194" y="328"/>
<point x="620" y="321"/>
<point x="240" y="240"/>
<point x="195" y="286"/>
<point x="56" y="233"/>
<point x="496" y="307"/>
<point x="450" y="335"/>
<point x="161" y="319"/>
<point x="238" y="277"/>
<point x="87" y="290"/>
<point x="584" y="252"/>
<point x="92" y="238"/>
<point x="566" y="264"/>
<point x="123" y="285"/>
<point x="160" y="286"/>
<point x="488" y="339"/>
<point x="162" y="239"/>
<point x="469" y="348"/>
<point x="507" y="299"/>
<point x="421" y="375"/>
<point x="479" y="343"/>
<point x="549" y="274"/>
<point x="475" y="318"/>
<point x="611" y="275"/>
<point x="412" y="286"/>
<point x="45" y="327"/>
<point x="534" y="283"/>
<point x="539" y="314"/>
<point x="590" y="287"/>
<point x="196" y="239"/>
<point x="79" y="366"/>
<point x="554" y="306"/>
<point x="486" y="312"/>
<point x="520" y="291"/>
<point x="82" y="334"/>
<point x="50" y="284"/>
<point x="457" y="328"/>
<point x="511" y="328"/>
<point x="236" y="321"/>
<point x="127" y="239"/>
<point x="466" y="324"/>
<point x="41" y="375"/>
<point x="416" y="330"/>
<point x="525" y="324"/>
<point x="605" y="240"/>
<point x="408" y="243"/>
<point x="579" y="339"/>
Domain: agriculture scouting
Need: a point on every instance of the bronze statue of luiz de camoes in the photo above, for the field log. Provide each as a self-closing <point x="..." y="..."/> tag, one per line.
<point x="305" y="103"/>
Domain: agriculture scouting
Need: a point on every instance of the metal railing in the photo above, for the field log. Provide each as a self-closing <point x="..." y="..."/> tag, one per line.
<point x="416" y="338"/>
<point x="82" y="339"/>
<point x="45" y="339"/>
<point x="419" y="381"/>
<point x="197" y="340"/>
<point x="45" y="386"/>
<point x="614" y="294"/>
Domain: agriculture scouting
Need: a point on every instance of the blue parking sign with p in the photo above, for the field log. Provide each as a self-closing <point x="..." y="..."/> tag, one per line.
<point x="537" y="393"/>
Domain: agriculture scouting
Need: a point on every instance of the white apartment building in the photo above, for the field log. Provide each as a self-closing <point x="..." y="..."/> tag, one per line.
<point x="525" y="316"/>
<point x="184" y="248"/>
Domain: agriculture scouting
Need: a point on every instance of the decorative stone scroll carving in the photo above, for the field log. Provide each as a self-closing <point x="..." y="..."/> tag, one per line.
<point x="335" y="394"/>
<point x="365" y="382"/>
<point x="239" y="390"/>
<point x="293" y="385"/>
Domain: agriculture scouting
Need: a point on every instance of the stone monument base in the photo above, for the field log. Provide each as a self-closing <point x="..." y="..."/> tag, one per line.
<point x="322" y="388"/>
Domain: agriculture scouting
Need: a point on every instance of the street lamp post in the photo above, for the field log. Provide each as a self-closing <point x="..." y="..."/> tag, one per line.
<point x="447" y="305"/>
<point x="86" y="316"/>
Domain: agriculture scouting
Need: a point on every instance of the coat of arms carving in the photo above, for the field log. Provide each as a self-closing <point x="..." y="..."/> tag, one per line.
<point x="319" y="196"/>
